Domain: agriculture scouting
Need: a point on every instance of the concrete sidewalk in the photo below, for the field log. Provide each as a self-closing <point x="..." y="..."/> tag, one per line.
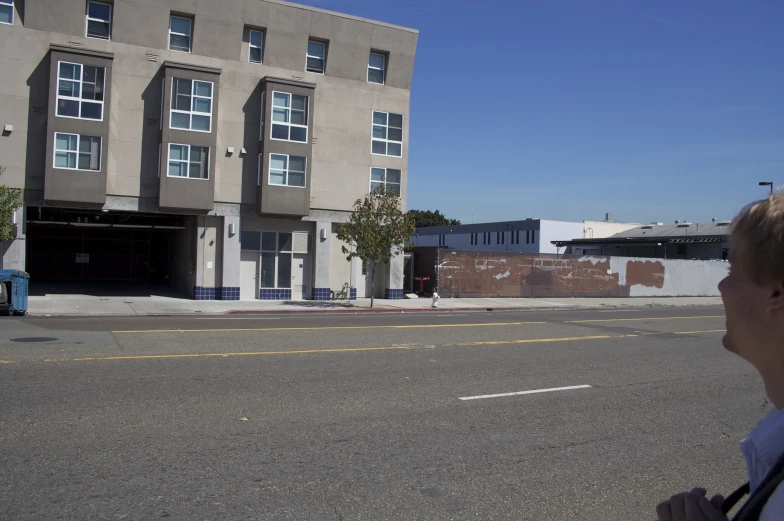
<point x="85" y="305"/>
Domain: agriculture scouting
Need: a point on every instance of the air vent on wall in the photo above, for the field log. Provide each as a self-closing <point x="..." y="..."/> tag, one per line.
<point x="152" y="57"/>
<point x="75" y="44"/>
<point x="152" y="121"/>
<point x="39" y="111"/>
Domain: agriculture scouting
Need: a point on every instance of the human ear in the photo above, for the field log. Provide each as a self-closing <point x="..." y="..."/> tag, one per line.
<point x="776" y="299"/>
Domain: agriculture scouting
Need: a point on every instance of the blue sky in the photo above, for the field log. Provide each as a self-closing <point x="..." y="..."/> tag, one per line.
<point x="649" y="110"/>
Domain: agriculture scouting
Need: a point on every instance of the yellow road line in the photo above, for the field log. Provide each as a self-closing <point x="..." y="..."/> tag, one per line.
<point x="388" y="348"/>
<point x="7" y="362"/>
<point x="249" y="353"/>
<point x="537" y="340"/>
<point x="637" y="319"/>
<point x="698" y="332"/>
<point x="328" y="328"/>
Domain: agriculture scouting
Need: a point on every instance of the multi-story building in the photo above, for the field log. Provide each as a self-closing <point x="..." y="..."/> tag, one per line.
<point x="527" y="236"/>
<point x="213" y="145"/>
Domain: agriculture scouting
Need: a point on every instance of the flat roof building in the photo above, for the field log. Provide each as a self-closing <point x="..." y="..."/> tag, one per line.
<point x="213" y="147"/>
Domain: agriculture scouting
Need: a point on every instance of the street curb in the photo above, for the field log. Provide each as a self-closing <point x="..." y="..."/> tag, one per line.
<point x="356" y="311"/>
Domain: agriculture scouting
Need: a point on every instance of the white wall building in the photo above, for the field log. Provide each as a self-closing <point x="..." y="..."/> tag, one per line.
<point x="527" y="236"/>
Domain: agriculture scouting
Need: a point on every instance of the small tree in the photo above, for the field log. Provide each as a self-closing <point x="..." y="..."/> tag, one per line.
<point x="10" y="200"/>
<point x="424" y="219"/>
<point x="378" y="229"/>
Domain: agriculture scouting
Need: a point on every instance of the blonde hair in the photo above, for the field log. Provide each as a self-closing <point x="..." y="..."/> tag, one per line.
<point x="758" y="236"/>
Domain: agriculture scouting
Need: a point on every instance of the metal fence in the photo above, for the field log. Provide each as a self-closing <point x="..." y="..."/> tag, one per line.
<point x="470" y="273"/>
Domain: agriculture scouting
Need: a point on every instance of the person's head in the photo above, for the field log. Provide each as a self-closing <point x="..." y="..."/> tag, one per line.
<point x="753" y="292"/>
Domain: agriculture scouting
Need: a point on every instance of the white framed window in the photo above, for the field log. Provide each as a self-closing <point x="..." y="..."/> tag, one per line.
<point x="180" y="31"/>
<point x="99" y="20"/>
<point x="388" y="178"/>
<point x="80" y="90"/>
<point x="7" y="12"/>
<point x="191" y="105"/>
<point x="289" y="117"/>
<point x="387" y="134"/>
<point x="256" y="46"/>
<point x="188" y="161"/>
<point x="77" y="152"/>
<point x="316" y="58"/>
<point x="376" y="68"/>
<point x="285" y="170"/>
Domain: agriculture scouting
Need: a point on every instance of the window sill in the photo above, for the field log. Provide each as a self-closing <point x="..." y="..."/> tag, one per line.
<point x="188" y="178"/>
<point x="75" y="169"/>
<point x="289" y="140"/>
<point x="190" y="130"/>
<point x="82" y="119"/>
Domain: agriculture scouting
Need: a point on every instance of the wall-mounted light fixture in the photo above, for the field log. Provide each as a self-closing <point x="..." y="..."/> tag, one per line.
<point x="231" y="229"/>
<point x="323" y="234"/>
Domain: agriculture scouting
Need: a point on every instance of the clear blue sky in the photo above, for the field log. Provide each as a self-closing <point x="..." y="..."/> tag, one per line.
<point x="650" y="110"/>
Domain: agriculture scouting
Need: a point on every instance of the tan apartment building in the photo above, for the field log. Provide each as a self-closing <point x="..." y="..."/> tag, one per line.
<point x="211" y="145"/>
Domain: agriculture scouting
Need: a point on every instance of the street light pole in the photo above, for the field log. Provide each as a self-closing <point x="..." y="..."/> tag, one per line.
<point x="767" y="183"/>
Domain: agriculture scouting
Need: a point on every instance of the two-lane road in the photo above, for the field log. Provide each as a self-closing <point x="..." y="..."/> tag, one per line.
<point x="527" y="415"/>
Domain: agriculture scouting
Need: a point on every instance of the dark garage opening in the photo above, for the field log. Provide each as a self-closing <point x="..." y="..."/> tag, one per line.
<point x="105" y="253"/>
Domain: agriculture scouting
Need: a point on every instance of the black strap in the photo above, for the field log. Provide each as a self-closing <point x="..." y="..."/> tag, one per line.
<point x="733" y="498"/>
<point x="752" y="510"/>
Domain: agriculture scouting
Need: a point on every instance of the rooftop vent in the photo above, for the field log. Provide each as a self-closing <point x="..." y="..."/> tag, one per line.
<point x="684" y="225"/>
<point x="657" y="224"/>
<point x="647" y="227"/>
<point x="723" y="223"/>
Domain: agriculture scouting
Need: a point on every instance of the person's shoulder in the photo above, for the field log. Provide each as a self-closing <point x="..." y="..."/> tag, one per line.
<point x="775" y="506"/>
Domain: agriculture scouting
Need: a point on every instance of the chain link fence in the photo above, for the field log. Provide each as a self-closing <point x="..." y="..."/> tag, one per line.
<point x="471" y="274"/>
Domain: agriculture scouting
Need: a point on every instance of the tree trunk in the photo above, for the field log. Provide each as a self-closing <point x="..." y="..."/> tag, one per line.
<point x="372" y="285"/>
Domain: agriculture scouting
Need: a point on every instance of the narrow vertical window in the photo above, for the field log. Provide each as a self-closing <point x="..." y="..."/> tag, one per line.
<point x="256" y="44"/>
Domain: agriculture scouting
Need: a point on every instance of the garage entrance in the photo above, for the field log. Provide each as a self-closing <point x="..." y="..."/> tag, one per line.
<point x="79" y="246"/>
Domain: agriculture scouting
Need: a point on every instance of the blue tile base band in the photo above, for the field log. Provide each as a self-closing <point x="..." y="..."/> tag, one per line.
<point x="322" y="294"/>
<point x="393" y="294"/>
<point x="274" y="294"/>
<point x="201" y="293"/>
<point x="353" y="294"/>
<point x="229" y="294"/>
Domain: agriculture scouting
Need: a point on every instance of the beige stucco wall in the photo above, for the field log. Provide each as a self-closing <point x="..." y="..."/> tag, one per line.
<point x="344" y="101"/>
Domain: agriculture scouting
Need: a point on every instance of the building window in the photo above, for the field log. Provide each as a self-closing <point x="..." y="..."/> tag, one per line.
<point x="80" y="91"/>
<point x="256" y="44"/>
<point x="533" y="236"/>
<point x="474" y="239"/>
<point x="528" y="236"/>
<point x="289" y="117"/>
<point x="77" y="152"/>
<point x="486" y="238"/>
<point x="287" y="170"/>
<point x="442" y="240"/>
<point x="189" y="161"/>
<point x="180" y="30"/>
<point x="191" y="105"/>
<point x="387" y="178"/>
<point x="387" y="134"/>
<point x="99" y="20"/>
<point x="276" y="252"/>
<point x="514" y="237"/>
<point x="316" y="56"/>
<point x="263" y="110"/>
<point x="376" y="68"/>
<point x="7" y="12"/>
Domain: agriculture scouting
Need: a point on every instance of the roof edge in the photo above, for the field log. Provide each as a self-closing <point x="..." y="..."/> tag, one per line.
<point x="81" y="50"/>
<point x="342" y="15"/>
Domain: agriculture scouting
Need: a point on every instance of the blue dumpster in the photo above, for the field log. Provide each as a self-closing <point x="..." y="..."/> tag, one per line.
<point x="13" y="292"/>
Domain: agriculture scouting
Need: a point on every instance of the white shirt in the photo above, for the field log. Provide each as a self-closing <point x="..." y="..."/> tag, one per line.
<point x="762" y="449"/>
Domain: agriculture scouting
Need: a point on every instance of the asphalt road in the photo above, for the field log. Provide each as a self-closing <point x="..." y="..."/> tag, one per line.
<point x="349" y="417"/>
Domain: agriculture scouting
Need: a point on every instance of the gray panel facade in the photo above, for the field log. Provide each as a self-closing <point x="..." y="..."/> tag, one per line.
<point x="276" y="199"/>
<point x="185" y="193"/>
<point x="67" y="185"/>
